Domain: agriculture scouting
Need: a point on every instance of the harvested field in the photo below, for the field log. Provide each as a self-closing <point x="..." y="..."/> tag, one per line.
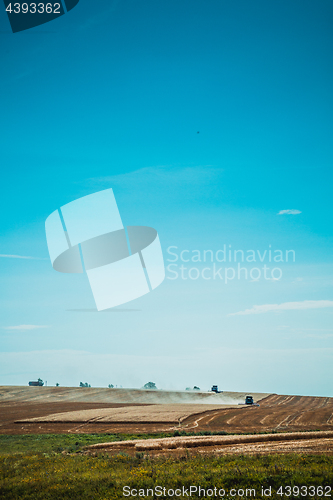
<point x="276" y="412"/>
<point x="11" y="412"/>
<point x="265" y="443"/>
<point x="23" y="403"/>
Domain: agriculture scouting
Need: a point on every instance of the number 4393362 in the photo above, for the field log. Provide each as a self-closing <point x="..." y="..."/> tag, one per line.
<point x="33" y="8"/>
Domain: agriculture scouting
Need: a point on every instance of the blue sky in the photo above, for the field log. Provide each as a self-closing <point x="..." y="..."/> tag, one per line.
<point x="115" y="97"/>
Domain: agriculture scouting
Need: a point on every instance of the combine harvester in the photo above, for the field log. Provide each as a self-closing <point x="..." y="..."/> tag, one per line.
<point x="249" y="402"/>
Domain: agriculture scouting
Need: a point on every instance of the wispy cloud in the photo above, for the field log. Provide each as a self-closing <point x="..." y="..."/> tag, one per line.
<point x="321" y="337"/>
<point x="8" y="256"/>
<point x="189" y="185"/>
<point x="162" y="174"/>
<point x="301" y="332"/>
<point x="289" y="212"/>
<point x="286" y="306"/>
<point x="24" y="327"/>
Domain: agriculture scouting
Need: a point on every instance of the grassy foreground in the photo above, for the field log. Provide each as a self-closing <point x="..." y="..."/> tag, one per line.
<point x="52" y="467"/>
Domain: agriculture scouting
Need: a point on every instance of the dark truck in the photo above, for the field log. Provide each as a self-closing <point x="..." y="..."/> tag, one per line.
<point x="37" y="383"/>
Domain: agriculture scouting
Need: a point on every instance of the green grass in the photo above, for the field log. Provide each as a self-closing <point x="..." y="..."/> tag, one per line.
<point x="33" y="467"/>
<point x="54" y="443"/>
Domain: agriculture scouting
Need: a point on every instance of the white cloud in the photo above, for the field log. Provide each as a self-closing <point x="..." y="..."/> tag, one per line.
<point x="6" y="256"/>
<point x="289" y="212"/>
<point x="286" y="306"/>
<point x="297" y="280"/>
<point x="25" y="327"/>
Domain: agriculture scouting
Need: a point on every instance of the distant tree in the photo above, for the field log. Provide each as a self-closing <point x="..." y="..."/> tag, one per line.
<point x="40" y="382"/>
<point x="188" y="389"/>
<point x="196" y="388"/>
<point x="110" y="386"/>
<point x="150" y="385"/>
<point x="57" y="385"/>
<point x="84" y="384"/>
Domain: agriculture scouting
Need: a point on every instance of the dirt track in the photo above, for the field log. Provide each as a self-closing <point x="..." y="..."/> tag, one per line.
<point x="314" y="442"/>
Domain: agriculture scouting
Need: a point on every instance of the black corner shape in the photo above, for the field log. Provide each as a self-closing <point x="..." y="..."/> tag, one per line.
<point x="70" y="4"/>
<point x="24" y="15"/>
